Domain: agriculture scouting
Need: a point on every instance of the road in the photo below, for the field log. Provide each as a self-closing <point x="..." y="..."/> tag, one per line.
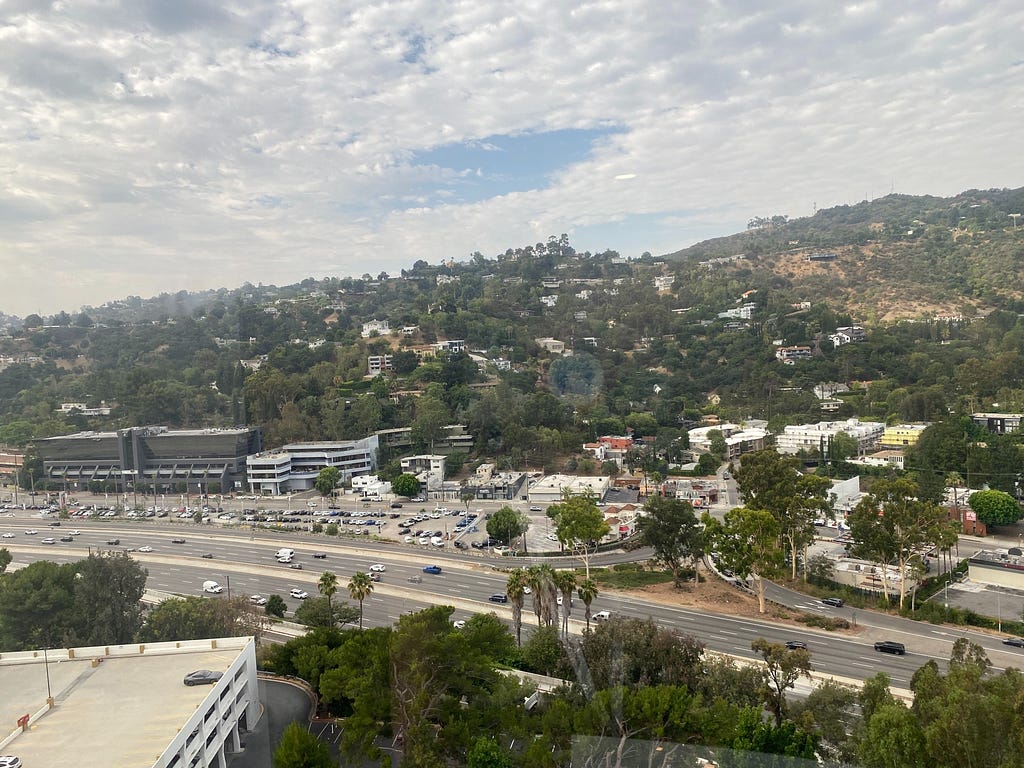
<point x="244" y="563"/>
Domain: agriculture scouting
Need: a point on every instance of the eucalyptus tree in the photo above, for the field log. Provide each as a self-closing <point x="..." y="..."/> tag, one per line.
<point x="747" y="541"/>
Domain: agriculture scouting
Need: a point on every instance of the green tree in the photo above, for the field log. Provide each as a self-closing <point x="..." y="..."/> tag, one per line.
<point x="892" y="738"/>
<point x="995" y="507"/>
<point x="36" y="606"/>
<point x="783" y="667"/>
<point x="507" y="524"/>
<point x="276" y="606"/>
<point x="298" y="748"/>
<point x="579" y="525"/>
<point x="327" y="585"/>
<point x="195" y="618"/>
<point x="318" y="612"/>
<point x="405" y="485"/>
<point x="673" y="531"/>
<point x="747" y="543"/>
<point x="487" y="754"/>
<point x="515" y="588"/>
<point x="892" y="524"/>
<point x="360" y="587"/>
<point x="108" y="593"/>
<point x="327" y="480"/>
<point x="565" y="583"/>
<point x="774" y="483"/>
<point x="5" y="559"/>
<point x="588" y="594"/>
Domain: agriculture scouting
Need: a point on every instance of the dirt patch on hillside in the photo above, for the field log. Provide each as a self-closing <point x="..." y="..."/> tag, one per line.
<point x="717" y="596"/>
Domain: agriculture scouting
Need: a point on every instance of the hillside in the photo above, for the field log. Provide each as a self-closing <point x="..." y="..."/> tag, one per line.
<point x="896" y="257"/>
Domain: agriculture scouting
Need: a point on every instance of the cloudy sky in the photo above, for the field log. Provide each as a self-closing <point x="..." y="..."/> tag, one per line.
<point x="159" y="145"/>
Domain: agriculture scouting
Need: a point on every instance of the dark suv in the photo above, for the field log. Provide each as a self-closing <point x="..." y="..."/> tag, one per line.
<point x="835" y="602"/>
<point x="891" y="646"/>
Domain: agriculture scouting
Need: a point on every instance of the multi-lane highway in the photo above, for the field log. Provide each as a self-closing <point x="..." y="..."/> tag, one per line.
<point x="243" y="562"/>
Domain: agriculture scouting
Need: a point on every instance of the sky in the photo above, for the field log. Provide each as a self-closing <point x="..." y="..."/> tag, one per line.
<point x="150" y="146"/>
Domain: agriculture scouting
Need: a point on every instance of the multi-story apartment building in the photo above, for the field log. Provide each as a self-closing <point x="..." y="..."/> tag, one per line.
<point x="812" y="437"/>
<point x="295" y="467"/>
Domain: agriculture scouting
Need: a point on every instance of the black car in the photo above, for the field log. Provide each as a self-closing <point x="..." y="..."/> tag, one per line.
<point x="177" y="541"/>
<point x="320" y="555"/>
<point x="202" y="677"/>
<point x="55" y="524"/>
<point x="207" y="555"/>
<point x="396" y="505"/>
<point x="794" y="645"/>
<point x="67" y="538"/>
<point x="835" y="602"/>
<point x="460" y="545"/>
<point x="890" y="646"/>
<point x="498" y="598"/>
<point x="1016" y="642"/>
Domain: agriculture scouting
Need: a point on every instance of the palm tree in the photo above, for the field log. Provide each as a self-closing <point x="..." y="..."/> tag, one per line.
<point x="541" y="579"/>
<point x="587" y="593"/>
<point x="360" y="588"/>
<point x="565" y="582"/>
<point x="328" y="585"/>
<point x="516" y="591"/>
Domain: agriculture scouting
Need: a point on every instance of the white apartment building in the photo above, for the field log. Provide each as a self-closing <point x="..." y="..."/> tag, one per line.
<point x="738" y="439"/>
<point x="295" y="467"/>
<point x="808" y="437"/>
<point x="429" y="469"/>
<point x="381" y="327"/>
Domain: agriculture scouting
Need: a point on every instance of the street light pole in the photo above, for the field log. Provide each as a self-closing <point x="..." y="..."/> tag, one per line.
<point x="46" y="666"/>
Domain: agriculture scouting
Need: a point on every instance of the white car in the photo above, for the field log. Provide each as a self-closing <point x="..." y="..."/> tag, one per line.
<point x="459" y="623"/>
<point x="49" y="541"/>
<point x="8" y="535"/>
<point x="74" y="533"/>
<point x="552" y="537"/>
<point x="146" y="548"/>
<point x="257" y="599"/>
<point x="31" y="532"/>
<point x="378" y="568"/>
<point x="602" y="616"/>
<point x="299" y="594"/>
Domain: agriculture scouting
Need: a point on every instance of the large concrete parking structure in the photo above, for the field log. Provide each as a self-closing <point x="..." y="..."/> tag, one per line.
<point x="128" y="705"/>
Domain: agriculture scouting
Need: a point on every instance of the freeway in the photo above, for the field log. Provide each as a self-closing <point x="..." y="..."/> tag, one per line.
<point x="243" y="562"/>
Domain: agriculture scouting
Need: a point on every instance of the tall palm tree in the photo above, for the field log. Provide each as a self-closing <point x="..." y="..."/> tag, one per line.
<point x="327" y="586"/>
<point x="360" y="588"/>
<point x="541" y="579"/>
<point x="587" y="593"/>
<point x="516" y="591"/>
<point x="565" y="582"/>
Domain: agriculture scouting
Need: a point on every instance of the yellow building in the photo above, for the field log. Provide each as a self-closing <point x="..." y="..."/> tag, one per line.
<point x="901" y="435"/>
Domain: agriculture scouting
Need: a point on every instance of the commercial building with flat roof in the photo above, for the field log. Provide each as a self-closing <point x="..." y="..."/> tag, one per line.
<point x="548" y="489"/>
<point x="107" y="707"/>
<point x="154" y="457"/>
<point x="813" y="437"/>
<point x="295" y="467"/>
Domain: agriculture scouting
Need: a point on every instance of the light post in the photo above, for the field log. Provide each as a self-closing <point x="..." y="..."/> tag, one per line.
<point x="46" y="667"/>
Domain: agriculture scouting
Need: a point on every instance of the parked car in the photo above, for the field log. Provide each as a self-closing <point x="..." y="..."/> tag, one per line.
<point x="794" y="645"/>
<point x="203" y="677"/>
<point x="435" y="569"/>
<point x="890" y="646"/>
<point x="10" y="761"/>
<point x="498" y="598"/>
<point x="835" y="602"/>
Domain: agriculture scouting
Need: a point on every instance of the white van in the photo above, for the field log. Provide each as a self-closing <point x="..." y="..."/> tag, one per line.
<point x="212" y="587"/>
<point x="285" y="555"/>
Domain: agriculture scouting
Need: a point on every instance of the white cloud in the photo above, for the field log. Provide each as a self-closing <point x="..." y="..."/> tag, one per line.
<point x="152" y="146"/>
